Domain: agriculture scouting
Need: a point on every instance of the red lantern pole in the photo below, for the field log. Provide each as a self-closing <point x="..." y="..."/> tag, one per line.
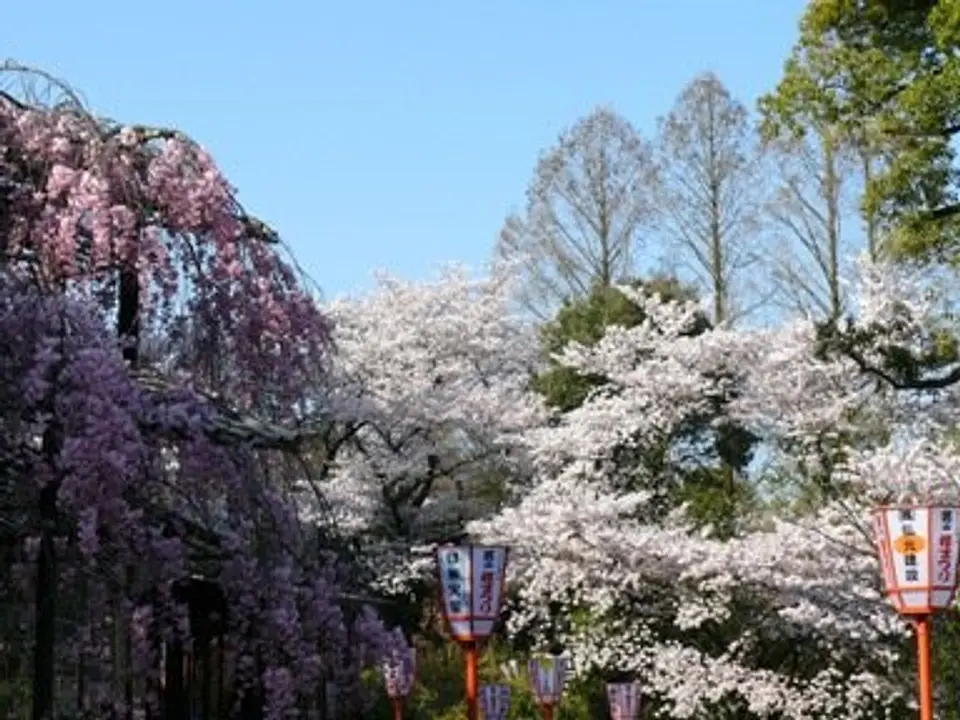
<point x="922" y="628"/>
<point x="547" y="711"/>
<point x="397" y="708"/>
<point x="472" y="657"/>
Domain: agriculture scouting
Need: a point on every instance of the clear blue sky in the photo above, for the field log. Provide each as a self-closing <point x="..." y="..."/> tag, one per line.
<point x="392" y="135"/>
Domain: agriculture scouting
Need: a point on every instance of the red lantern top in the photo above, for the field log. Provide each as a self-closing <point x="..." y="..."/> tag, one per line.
<point x="471" y="580"/>
<point x="919" y="548"/>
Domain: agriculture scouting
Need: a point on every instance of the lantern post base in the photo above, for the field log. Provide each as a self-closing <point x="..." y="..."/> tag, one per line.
<point x="921" y="625"/>
<point x="546" y="710"/>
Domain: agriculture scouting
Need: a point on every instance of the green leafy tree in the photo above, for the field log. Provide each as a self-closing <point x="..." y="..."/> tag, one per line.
<point x="887" y="74"/>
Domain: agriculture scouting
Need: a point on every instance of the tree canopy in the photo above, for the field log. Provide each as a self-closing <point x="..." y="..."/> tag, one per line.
<point x="887" y="74"/>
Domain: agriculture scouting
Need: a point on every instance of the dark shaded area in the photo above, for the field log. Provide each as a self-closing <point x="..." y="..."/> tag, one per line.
<point x="195" y="672"/>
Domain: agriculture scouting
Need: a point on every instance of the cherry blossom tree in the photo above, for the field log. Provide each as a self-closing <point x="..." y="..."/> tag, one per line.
<point x="429" y="390"/>
<point x="126" y="471"/>
<point x="784" y="620"/>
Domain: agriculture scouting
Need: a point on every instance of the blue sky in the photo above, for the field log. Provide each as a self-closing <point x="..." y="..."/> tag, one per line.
<point x="392" y="135"/>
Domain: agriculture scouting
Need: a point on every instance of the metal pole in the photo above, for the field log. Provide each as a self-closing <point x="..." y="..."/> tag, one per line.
<point x="922" y="627"/>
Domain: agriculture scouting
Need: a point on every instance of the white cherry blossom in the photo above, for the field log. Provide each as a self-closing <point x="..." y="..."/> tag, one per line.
<point x="429" y="382"/>
<point x="804" y="582"/>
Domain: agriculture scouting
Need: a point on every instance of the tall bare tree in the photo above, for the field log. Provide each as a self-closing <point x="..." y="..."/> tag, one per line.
<point x="707" y="164"/>
<point x="807" y="213"/>
<point x="586" y="205"/>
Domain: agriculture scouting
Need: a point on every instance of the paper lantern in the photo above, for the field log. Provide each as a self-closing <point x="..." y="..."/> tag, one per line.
<point x="624" y="701"/>
<point x="399" y="672"/>
<point x="918" y="547"/>
<point x="495" y="701"/>
<point x="548" y="676"/>
<point x="471" y="580"/>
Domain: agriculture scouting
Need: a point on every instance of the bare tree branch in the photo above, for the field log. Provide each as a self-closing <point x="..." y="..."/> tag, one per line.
<point x="586" y="206"/>
<point x="806" y="216"/>
<point x="707" y="163"/>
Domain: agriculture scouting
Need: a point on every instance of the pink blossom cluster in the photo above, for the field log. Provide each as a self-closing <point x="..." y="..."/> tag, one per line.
<point x="144" y="494"/>
<point x="83" y="199"/>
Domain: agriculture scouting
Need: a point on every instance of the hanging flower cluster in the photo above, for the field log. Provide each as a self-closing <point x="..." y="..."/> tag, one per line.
<point x="125" y="489"/>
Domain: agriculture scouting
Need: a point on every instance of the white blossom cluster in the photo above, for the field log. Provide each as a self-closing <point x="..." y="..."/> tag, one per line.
<point x="430" y="387"/>
<point x="431" y="384"/>
<point x="693" y="616"/>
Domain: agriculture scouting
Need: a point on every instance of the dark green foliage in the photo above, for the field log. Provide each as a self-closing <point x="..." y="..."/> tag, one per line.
<point x="886" y="74"/>
<point x="585" y="321"/>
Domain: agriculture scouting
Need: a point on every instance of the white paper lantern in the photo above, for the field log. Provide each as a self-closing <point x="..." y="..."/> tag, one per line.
<point x="495" y="701"/>
<point x="919" y="546"/>
<point x="471" y="580"/>
<point x="624" y="701"/>
<point x="548" y="677"/>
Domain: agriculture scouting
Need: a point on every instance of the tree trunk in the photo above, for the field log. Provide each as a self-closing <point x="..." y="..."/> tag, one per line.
<point x="44" y="658"/>
<point x="831" y="195"/>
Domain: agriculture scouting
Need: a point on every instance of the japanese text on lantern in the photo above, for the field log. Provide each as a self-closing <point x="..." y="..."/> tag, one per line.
<point x="488" y="573"/>
<point x="454" y="581"/>
<point x="945" y="548"/>
<point x="908" y="546"/>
